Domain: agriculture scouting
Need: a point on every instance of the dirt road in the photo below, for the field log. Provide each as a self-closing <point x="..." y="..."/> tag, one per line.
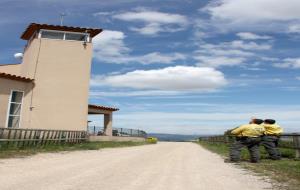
<point x="165" y="166"/>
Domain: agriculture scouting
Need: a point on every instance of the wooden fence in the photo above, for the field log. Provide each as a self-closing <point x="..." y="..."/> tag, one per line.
<point x="38" y="137"/>
<point x="288" y="140"/>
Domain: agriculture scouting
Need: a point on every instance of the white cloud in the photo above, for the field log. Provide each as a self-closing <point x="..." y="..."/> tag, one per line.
<point x="234" y="48"/>
<point x="104" y="17"/>
<point x="295" y="28"/>
<point x="178" y="78"/>
<point x="254" y="10"/>
<point x="289" y="63"/>
<point x="255" y="69"/>
<point x="254" y="15"/>
<point x="270" y="59"/>
<point x="213" y="61"/>
<point x="157" y="57"/>
<point x="103" y="13"/>
<point x="252" y="36"/>
<point x="96" y="93"/>
<point x="298" y="78"/>
<point x="110" y="44"/>
<point x="249" y="46"/>
<point x="222" y="50"/>
<point x="154" y="21"/>
<point x="152" y="17"/>
<point x="232" y="53"/>
<point x="109" y="47"/>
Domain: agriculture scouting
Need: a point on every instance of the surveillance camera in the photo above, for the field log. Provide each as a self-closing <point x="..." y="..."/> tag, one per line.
<point x="18" y="55"/>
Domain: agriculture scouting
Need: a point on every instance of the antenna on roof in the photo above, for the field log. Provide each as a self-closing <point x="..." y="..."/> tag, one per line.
<point x="62" y="15"/>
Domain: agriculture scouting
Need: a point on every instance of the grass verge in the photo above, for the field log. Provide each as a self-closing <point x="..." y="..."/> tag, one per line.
<point x="11" y="152"/>
<point x="285" y="172"/>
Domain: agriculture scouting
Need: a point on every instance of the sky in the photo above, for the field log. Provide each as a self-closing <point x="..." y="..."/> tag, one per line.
<point x="180" y="66"/>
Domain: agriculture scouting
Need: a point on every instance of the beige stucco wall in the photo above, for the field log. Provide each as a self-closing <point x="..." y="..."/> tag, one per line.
<point x="30" y="58"/>
<point x="6" y="86"/>
<point x="115" y="138"/>
<point x="61" y="70"/>
<point x="14" y="69"/>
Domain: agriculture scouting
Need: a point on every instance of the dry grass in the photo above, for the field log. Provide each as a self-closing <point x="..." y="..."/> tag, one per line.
<point x="285" y="172"/>
<point x="27" y="151"/>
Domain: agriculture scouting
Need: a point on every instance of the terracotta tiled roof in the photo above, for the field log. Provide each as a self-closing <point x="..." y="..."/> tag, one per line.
<point x="34" y="27"/>
<point x="103" y="107"/>
<point x="5" y="64"/>
<point x="15" y="77"/>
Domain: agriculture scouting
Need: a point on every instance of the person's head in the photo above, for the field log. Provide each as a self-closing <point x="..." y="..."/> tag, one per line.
<point x="252" y="120"/>
<point x="257" y="121"/>
<point x="269" y="121"/>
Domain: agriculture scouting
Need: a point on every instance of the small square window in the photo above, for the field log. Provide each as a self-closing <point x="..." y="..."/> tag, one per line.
<point x="16" y="97"/>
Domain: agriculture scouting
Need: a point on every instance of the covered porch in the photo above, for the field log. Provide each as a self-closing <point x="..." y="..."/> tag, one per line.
<point x="108" y="117"/>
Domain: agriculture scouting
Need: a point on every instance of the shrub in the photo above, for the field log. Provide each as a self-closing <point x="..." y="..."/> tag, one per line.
<point x="152" y="140"/>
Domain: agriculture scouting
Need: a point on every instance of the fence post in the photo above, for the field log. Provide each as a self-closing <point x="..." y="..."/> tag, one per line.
<point x="226" y="139"/>
<point x="296" y="142"/>
<point x="25" y="137"/>
<point x="19" y="137"/>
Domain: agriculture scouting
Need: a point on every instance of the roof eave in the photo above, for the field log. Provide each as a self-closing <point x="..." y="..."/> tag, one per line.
<point x="15" y="77"/>
<point x="26" y="35"/>
<point x="103" y="107"/>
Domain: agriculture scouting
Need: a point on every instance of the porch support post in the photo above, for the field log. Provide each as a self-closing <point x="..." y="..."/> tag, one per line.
<point x="108" y="124"/>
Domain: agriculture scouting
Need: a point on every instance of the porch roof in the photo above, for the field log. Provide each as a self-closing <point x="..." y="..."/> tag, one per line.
<point x="99" y="109"/>
<point x="15" y="77"/>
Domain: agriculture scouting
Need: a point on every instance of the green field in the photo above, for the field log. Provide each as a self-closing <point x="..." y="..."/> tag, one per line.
<point x="285" y="172"/>
<point x="27" y="151"/>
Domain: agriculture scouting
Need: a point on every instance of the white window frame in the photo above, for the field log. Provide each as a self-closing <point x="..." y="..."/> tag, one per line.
<point x="64" y="37"/>
<point x="9" y="106"/>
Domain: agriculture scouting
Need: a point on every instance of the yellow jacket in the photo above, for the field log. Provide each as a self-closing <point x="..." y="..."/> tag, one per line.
<point x="272" y="129"/>
<point x="249" y="130"/>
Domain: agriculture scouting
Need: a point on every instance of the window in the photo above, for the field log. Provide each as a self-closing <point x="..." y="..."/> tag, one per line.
<point x="60" y="35"/>
<point x="53" y="35"/>
<point x="14" y="112"/>
<point x="74" y="36"/>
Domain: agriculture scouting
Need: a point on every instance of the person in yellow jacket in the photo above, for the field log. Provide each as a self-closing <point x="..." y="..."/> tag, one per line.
<point x="271" y="137"/>
<point x="248" y="135"/>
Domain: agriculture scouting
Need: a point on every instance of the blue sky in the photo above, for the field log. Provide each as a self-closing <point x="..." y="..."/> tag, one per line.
<point x="180" y="66"/>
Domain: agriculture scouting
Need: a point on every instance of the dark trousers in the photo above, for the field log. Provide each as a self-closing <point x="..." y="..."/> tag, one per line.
<point x="252" y="143"/>
<point x="271" y="145"/>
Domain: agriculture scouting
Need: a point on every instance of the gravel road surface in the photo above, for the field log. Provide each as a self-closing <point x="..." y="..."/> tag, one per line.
<point x="164" y="166"/>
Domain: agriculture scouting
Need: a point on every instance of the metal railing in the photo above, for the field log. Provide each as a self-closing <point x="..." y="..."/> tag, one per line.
<point x="121" y="132"/>
<point x="12" y="137"/>
<point x="287" y="140"/>
<point x="94" y="130"/>
<point x="124" y="132"/>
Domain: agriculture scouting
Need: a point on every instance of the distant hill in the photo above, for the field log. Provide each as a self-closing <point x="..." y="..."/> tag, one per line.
<point x="173" y="137"/>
